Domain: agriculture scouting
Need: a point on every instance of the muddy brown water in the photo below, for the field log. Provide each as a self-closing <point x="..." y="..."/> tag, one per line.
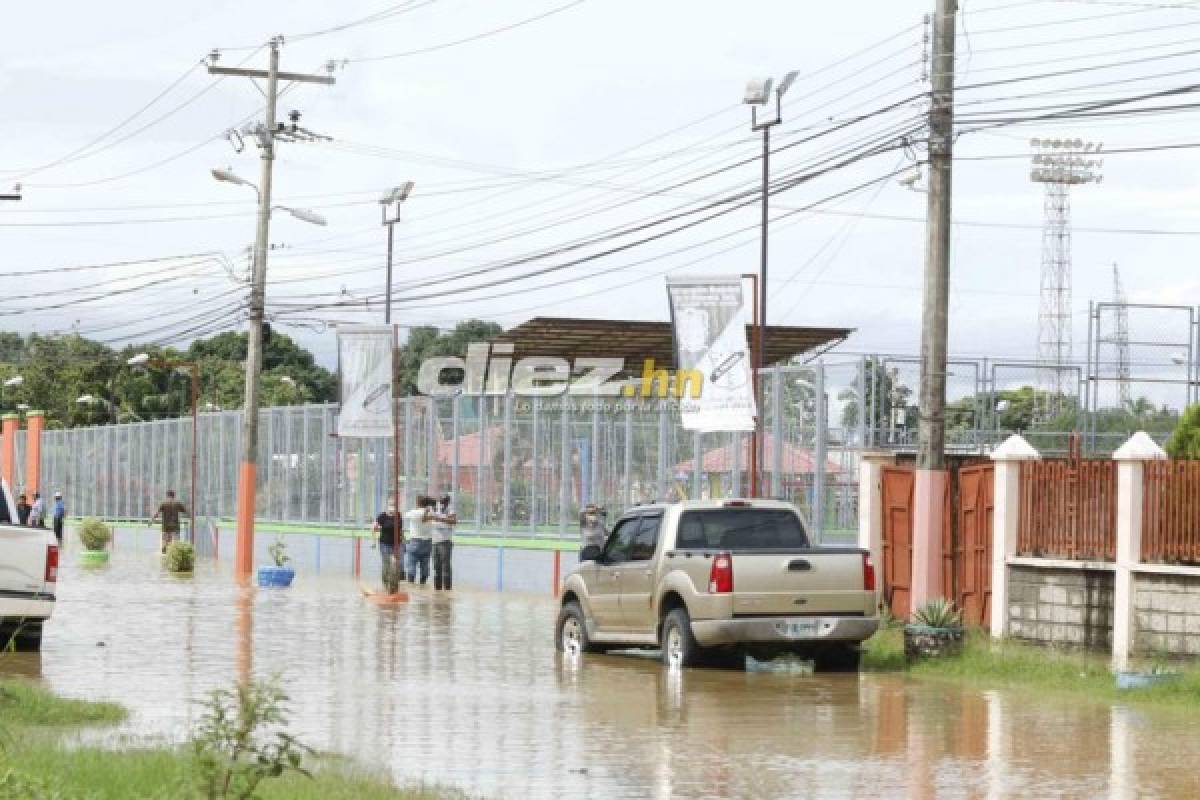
<point x="467" y="690"/>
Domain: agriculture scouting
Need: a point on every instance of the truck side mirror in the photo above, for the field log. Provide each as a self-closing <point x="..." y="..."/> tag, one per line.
<point x="590" y="553"/>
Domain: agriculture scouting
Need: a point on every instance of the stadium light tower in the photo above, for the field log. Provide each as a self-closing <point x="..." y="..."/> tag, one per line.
<point x="1058" y="164"/>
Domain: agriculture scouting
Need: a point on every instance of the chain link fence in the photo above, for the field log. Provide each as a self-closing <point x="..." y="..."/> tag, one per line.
<point x="523" y="466"/>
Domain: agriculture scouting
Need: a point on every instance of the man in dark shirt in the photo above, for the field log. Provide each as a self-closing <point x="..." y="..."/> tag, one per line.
<point x="170" y="510"/>
<point x="391" y="542"/>
<point x="23" y="509"/>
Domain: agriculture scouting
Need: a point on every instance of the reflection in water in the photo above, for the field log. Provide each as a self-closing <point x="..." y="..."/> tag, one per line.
<point x="466" y="689"/>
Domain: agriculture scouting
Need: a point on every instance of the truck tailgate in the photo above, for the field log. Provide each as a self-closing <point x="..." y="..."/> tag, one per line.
<point x="23" y="561"/>
<point x="811" y="581"/>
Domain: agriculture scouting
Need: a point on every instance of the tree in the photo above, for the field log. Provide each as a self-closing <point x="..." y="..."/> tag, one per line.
<point x="883" y="393"/>
<point x="1185" y="439"/>
<point x="427" y="342"/>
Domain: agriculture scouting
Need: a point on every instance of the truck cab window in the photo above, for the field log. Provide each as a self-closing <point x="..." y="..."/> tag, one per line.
<point x="646" y="539"/>
<point x="620" y="542"/>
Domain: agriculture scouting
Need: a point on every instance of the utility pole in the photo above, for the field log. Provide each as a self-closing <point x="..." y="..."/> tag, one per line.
<point x="930" y="483"/>
<point x="391" y="201"/>
<point x="247" y="473"/>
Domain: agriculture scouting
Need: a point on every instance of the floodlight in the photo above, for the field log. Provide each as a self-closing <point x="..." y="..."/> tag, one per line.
<point x="397" y="194"/>
<point x="15" y="380"/>
<point x="138" y="360"/>
<point x="787" y="82"/>
<point x="307" y="215"/>
<point x="227" y="175"/>
<point x="757" y="91"/>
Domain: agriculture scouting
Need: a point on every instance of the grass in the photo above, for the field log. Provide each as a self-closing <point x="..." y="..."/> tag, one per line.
<point x="24" y="703"/>
<point x="42" y="766"/>
<point x="1014" y="664"/>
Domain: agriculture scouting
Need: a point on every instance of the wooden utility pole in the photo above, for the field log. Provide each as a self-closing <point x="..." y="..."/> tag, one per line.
<point x="931" y="434"/>
<point x="931" y="480"/>
<point x="247" y="473"/>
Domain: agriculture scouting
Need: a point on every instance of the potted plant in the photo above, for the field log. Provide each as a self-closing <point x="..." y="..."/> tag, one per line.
<point x="94" y="535"/>
<point x="279" y="575"/>
<point x="180" y="558"/>
<point x="936" y="630"/>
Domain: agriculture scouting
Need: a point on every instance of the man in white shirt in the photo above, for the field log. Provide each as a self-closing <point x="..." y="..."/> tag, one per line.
<point x="444" y="520"/>
<point x="419" y="523"/>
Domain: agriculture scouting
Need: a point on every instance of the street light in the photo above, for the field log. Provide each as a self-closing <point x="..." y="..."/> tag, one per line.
<point x="758" y="96"/>
<point x="391" y="200"/>
<point x="144" y="359"/>
<point x="246" y="486"/>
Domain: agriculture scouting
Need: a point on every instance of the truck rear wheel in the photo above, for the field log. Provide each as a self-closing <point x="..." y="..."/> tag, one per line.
<point x="679" y="646"/>
<point x="837" y="658"/>
<point x="23" y="637"/>
<point x="570" y="633"/>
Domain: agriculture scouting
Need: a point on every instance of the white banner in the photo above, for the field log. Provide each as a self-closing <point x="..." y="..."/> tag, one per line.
<point x="709" y="318"/>
<point x="365" y="372"/>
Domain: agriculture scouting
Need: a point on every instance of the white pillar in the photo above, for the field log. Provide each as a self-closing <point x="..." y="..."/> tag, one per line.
<point x="1130" y="458"/>
<point x="1006" y="506"/>
<point x="870" y="504"/>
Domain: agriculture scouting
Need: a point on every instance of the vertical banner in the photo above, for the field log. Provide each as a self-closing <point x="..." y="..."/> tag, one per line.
<point x="365" y="382"/>
<point x="708" y="315"/>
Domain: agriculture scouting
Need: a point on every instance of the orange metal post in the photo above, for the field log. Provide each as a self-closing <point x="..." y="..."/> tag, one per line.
<point x="244" y="555"/>
<point x="8" y="452"/>
<point x="557" y="571"/>
<point x="35" y="421"/>
<point x="756" y="358"/>
<point x="358" y="556"/>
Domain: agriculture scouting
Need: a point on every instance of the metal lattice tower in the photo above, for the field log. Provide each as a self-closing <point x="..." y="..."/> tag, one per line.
<point x="1058" y="164"/>
<point x="1121" y="340"/>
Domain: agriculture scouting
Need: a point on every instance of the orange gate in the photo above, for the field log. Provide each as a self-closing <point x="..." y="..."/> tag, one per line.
<point x="897" y="486"/>
<point x="973" y="543"/>
<point x="966" y="540"/>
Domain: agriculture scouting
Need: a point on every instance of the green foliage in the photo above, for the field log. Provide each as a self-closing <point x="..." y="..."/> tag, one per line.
<point x="278" y="552"/>
<point x="1185" y="439"/>
<point x="242" y="740"/>
<point x="427" y="341"/>
<point x="25" y="703"/>
<point x="884" y="396"/>
<point x="181" y="557"/>
<point x="58" y="369"/>
<point x="938" y="613"/>
<point x="94" y="534"/>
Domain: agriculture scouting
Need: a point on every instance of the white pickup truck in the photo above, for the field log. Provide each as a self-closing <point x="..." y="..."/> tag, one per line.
<point x="712" y="581"/>
<point x="28" y="577"/>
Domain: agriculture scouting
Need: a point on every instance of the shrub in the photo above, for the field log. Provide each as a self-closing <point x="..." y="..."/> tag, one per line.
<point x="938" y="613"/>
<point x="94" y="534"/>
<point x="278" y="551"/>
<point x="181" y="557"/>
<point x="242" y="740"/>
<point x="1185" y="439"/>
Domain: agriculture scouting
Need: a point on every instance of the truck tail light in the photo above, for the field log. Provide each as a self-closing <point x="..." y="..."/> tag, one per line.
<point x="868" y="573"/>
<point x="51" y="563"/>
<point x="720" y="576"/>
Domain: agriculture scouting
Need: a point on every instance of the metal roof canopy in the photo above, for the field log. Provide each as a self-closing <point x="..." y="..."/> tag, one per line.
<point x="635" y="340"/>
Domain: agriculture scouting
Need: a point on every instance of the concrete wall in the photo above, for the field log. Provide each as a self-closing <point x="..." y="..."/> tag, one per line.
<point x="1166" y="614"/>
<point x="1071" y="607"/>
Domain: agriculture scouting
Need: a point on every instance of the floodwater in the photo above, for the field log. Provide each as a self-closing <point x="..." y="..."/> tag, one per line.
<point x="466" y="690"/>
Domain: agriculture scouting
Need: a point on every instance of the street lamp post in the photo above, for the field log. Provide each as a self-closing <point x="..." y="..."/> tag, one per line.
<point x="758" y="94"/>
<point x="143" y="359"/>
<point x="390" y="202"/>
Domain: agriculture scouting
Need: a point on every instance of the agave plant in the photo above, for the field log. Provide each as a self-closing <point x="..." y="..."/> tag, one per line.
<point x="94" y="534"/>
<point x="939" y="613"/>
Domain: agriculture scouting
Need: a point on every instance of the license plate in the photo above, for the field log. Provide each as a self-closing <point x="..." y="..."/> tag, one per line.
<point x="805" y="629"/>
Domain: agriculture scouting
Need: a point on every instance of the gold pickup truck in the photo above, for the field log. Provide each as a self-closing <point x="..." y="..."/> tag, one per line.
<point x="713" y="581"/>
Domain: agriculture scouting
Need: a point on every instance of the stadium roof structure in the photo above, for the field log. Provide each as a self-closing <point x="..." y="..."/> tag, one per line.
<point x="636" y="340"/>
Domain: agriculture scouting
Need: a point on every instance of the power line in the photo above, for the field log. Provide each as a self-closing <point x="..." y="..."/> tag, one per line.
<point x="466" y="40"/>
